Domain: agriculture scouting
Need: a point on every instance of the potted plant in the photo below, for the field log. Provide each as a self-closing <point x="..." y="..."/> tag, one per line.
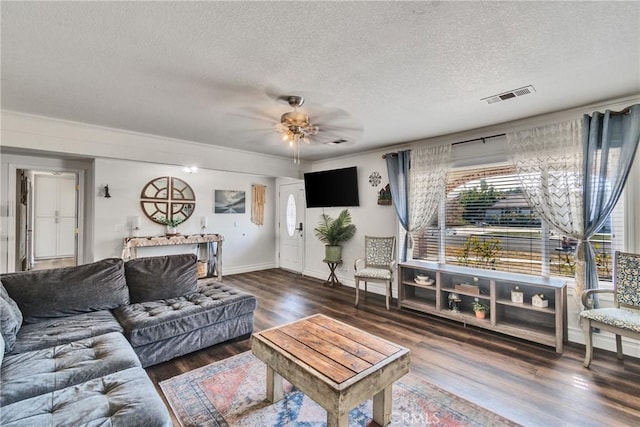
<point x="334" y="231"/>
<point x="171" y="224"/>
<point x="481" y="309"/>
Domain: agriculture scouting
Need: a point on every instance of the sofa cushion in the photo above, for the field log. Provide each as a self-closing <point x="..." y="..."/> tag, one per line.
<point x="49" y="333"/>
<point x="122" y="399"/>
<point x="161" y="277"/>
<point x="32" y="373"/>
<point x="10" y="319"/>
<point x="60" y="292"/>
<point x="153" y="321"/>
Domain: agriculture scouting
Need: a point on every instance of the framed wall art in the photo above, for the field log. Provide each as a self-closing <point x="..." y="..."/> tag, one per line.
<point x="229" y="201"/>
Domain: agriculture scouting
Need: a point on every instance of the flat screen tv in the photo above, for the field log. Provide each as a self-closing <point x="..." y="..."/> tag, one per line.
<point x="330" y="188"/>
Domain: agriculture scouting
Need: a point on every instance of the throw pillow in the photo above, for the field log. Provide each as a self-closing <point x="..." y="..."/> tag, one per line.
<point x="61" y="292"/>
<point x="10" y="319"/>
<point x="161" y="277"/>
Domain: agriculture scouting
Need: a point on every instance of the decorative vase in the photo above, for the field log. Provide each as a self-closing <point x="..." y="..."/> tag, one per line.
<point x="172" y="230"/>
<point x="333" y="253"/>
<point x="480" y="314"/>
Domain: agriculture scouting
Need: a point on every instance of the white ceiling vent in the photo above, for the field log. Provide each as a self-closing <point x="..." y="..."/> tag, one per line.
<point x="508" y="95"/>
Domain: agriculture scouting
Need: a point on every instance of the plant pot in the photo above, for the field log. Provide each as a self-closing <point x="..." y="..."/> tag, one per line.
<point x="333" y="253"/>
<point x="172" y="231"/>
<point x="480" y="314"/>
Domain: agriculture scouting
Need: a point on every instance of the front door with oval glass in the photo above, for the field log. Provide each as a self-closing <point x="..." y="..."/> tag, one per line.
<point x="292" y="227"/>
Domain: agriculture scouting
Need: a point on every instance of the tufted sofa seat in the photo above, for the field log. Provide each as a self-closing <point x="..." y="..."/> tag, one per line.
<point x="125" y="398"/>
<point x="163" y="329"/>
<point x="74" y="341"/>
<point x="32" y="373"/>
<point x="48" y="333"/>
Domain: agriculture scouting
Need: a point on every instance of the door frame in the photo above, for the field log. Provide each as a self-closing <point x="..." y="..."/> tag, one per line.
<point x="12" y="208"/>
<point x="279" y="216"/>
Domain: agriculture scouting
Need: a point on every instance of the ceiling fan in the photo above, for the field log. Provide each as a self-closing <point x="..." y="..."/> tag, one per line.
<point x="315" y="126"/>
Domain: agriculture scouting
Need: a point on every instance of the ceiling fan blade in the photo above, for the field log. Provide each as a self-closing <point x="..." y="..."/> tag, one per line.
<point x="253" y="113"/>
<point x="331" y="128"/>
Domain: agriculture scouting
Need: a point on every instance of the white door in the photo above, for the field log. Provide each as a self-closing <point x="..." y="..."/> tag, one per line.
<point x="55" y="222"/>
<point x="291" y="222"/>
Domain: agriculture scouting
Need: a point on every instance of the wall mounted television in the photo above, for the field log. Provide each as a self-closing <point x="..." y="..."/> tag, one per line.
<point x="332" y="188"/>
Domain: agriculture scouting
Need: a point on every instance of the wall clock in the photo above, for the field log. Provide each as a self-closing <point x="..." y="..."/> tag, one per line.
<point x="167" y="198"/>
<point x="375" y="179"/>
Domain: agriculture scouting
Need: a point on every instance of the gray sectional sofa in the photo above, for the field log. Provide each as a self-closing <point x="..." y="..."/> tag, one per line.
<point x="75" y="340"/>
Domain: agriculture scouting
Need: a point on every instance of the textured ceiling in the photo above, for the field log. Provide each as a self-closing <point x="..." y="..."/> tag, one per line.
<point x="211" y="71"/>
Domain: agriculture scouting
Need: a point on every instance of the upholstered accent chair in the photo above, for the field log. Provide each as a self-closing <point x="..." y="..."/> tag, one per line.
<point x="377" y="264"/>
<point x="624" y="318"/>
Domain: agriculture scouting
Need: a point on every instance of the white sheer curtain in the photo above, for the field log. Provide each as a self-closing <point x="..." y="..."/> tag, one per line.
<point x="427" y="182"/>
<point x="549" y="163"/>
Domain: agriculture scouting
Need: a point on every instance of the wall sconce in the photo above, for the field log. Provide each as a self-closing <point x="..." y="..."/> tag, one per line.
<point x="106" y="192"/>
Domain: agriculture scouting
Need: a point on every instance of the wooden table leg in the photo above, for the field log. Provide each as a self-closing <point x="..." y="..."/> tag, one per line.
<point x="274" y="386"/>
<point x="382" y="406"/>
<point x="338" y="420"/>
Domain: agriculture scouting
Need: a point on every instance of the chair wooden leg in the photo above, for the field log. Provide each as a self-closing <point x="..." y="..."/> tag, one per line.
<point x="357" y="290"/>
<point x="619" y="346"/>
<point x="386" y="292"/>
<point x="586" y="326"/>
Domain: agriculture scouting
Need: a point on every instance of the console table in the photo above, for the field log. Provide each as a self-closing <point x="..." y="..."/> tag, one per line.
<point x="132" y="243"/>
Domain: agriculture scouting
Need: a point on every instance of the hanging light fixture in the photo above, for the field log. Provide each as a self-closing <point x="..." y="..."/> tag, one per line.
<point x="295" y="126"/>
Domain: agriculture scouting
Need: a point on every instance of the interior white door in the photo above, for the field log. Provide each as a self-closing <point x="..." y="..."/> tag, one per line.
<point x="55" y="215"/>
<point x="291" y="226"/>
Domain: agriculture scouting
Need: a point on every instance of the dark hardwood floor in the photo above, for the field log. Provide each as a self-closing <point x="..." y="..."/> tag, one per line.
<point x="526" y="383"/>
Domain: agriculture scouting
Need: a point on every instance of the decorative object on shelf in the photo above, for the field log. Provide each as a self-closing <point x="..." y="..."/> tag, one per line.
<point x="167" y="197"/>
<point x="374" y="179"/>
<point x="517" y="295"/>
<point x="172" y="225"/>
<point x="467" y="288"/>
<point x="106" y="192"/>
<point x="229" y="201"/>
<point x="384" y="195"/>
<point x="481" y="309"/>
<point x="334" y="231"/>
<point x="423" y="280"/>
<point x="454" y="302"/>
<point x="540" y="301"/>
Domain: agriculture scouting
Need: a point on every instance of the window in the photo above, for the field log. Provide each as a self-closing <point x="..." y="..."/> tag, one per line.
<point x="486" y="221"/>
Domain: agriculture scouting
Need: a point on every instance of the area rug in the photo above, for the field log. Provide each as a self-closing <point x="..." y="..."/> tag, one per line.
<point x="232" y="393"/>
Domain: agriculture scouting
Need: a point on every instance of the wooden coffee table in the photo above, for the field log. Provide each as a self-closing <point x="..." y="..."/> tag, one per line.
<point x="335" y="364"/>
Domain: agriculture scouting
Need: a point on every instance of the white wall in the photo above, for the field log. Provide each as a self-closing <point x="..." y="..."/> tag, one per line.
<point x="370" y="219"/>
<point x="246" y="247"/>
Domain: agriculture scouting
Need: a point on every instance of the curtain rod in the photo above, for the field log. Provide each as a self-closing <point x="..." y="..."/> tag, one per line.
<point x="483" y="139"/>
<point x="384" y="156"/>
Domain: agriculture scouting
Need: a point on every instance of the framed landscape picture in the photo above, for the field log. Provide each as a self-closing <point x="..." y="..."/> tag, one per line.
<point x="229" y="201"/>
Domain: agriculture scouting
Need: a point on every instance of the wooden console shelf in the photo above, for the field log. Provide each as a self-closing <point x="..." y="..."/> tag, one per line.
<point x="543" y="325"/>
